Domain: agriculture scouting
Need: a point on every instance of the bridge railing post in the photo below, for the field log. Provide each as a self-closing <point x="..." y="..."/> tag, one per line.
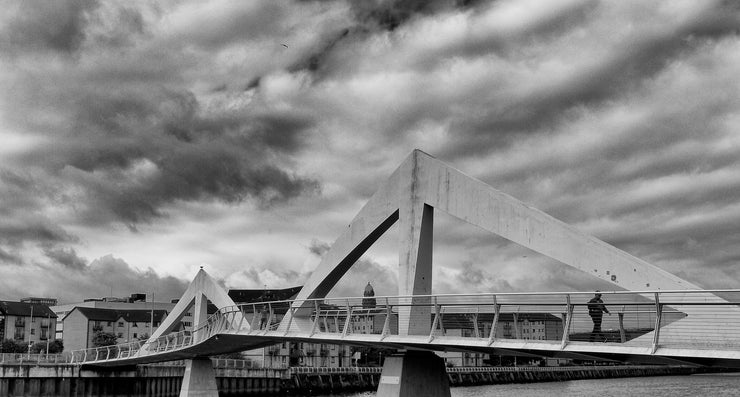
<point x="622" y="335"/>
<point x="437" y="320"/>
<point x="270" y="318"/>
<point x="476" y="329"/>
<point x="386" y="323"/>
<point x="291" y="309"/>
<point x="658" y="315"/>
<point x="494" y="324"/>
<point x="315" y="317"/>
<point x="242" y="310"/>
<point x="325" y="324"/>
<point x="254" y="324"/>
<point x="236" y="326"/>
<point x="568" y="322"/>
<point x="226" y="324"/>
<point x="348" y="320"/>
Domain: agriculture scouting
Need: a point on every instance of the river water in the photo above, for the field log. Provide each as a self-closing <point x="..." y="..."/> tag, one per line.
<point x="704" y="385"/>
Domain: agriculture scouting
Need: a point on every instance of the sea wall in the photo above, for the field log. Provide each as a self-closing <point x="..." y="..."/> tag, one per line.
<point x="468" y="376"/>
<point x="324" y="381"/>
<point x="135" y="381"/>
<point x="164" y="381"/>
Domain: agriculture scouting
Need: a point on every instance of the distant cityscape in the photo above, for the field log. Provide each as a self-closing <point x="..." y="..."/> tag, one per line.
<point x="41" y="325"/>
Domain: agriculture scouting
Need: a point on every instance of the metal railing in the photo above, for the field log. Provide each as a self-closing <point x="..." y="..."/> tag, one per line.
<point x="40" y="358"/>
<point x="700" y="319"/>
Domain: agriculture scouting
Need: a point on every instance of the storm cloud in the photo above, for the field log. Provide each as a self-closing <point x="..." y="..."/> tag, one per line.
<point x="244" y="135"/>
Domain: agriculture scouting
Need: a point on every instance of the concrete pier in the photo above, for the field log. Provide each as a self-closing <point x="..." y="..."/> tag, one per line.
<point x="199" y="379"/>
<point x="414" y="374"/>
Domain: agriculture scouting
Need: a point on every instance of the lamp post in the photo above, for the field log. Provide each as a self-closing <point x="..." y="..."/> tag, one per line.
<point x="30" y="328"/>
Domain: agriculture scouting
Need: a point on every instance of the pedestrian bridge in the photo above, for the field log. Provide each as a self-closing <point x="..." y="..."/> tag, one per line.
<point x="525" y="324"/>
<point x="656" y="317"/>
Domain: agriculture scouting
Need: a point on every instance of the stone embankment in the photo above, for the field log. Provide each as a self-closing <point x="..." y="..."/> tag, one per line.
<point x="27" y="380"/>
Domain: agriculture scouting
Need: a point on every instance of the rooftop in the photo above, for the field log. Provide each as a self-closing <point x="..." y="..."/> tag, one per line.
<point x="10" y="308"/>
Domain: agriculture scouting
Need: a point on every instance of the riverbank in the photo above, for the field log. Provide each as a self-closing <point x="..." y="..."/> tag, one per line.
<point x="25" y="380"/>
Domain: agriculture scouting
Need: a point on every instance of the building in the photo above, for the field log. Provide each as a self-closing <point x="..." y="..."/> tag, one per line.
<point x="81" y="324"/>
<point x="134" y="302"/>
<point x="28" y="323"/>
<point x="533" y="326"/>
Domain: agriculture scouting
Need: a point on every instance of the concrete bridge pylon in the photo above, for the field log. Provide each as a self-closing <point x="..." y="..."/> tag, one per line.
<point x="420" y="186"/>
<point x="199" y="379"/>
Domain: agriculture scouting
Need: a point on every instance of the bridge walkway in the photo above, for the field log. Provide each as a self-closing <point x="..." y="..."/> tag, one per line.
<point x="642" y="326"/>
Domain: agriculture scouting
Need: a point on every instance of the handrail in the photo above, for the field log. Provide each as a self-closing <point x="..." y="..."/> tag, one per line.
<point x="481" y="312"/>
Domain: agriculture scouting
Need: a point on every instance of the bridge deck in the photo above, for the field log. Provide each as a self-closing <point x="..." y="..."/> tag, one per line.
<point x="694" y="327"/>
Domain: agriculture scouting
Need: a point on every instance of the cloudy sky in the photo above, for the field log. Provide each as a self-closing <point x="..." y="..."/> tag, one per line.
<point x="141" y="140"/>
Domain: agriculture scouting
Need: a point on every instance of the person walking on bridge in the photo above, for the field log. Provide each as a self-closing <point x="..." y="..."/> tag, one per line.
<point x="596" y="310"/>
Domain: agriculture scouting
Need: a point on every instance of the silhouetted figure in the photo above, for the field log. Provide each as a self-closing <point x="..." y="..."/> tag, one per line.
<point x="596" y="310"/>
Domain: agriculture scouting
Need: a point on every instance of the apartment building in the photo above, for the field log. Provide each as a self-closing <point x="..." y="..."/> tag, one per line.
<point x="81" y="324"/>
<point x="26" y="322"/>
<point x="134" y="302"/>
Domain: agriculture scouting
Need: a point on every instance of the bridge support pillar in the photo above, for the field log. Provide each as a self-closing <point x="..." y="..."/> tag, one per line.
<point x="414" y="374"/>
<point x="199" y="379"/>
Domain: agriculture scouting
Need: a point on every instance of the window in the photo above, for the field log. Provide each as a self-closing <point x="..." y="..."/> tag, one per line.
<point x="120" y="323"/>
<point x="110" y="323"/>
<point x="135" y="336"/>
<point x="135" y="324"/>
<point x="120" y="334"/>
<point x="33" y="331"/>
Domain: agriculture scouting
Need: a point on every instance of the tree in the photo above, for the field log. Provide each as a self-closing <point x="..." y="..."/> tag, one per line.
<point x="11" y="346"/>
<point x="101" y="339"/>
<point x="55" y="346"/>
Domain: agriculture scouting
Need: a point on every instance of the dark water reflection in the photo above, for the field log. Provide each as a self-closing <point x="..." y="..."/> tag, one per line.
<point x="705" y="385"/>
